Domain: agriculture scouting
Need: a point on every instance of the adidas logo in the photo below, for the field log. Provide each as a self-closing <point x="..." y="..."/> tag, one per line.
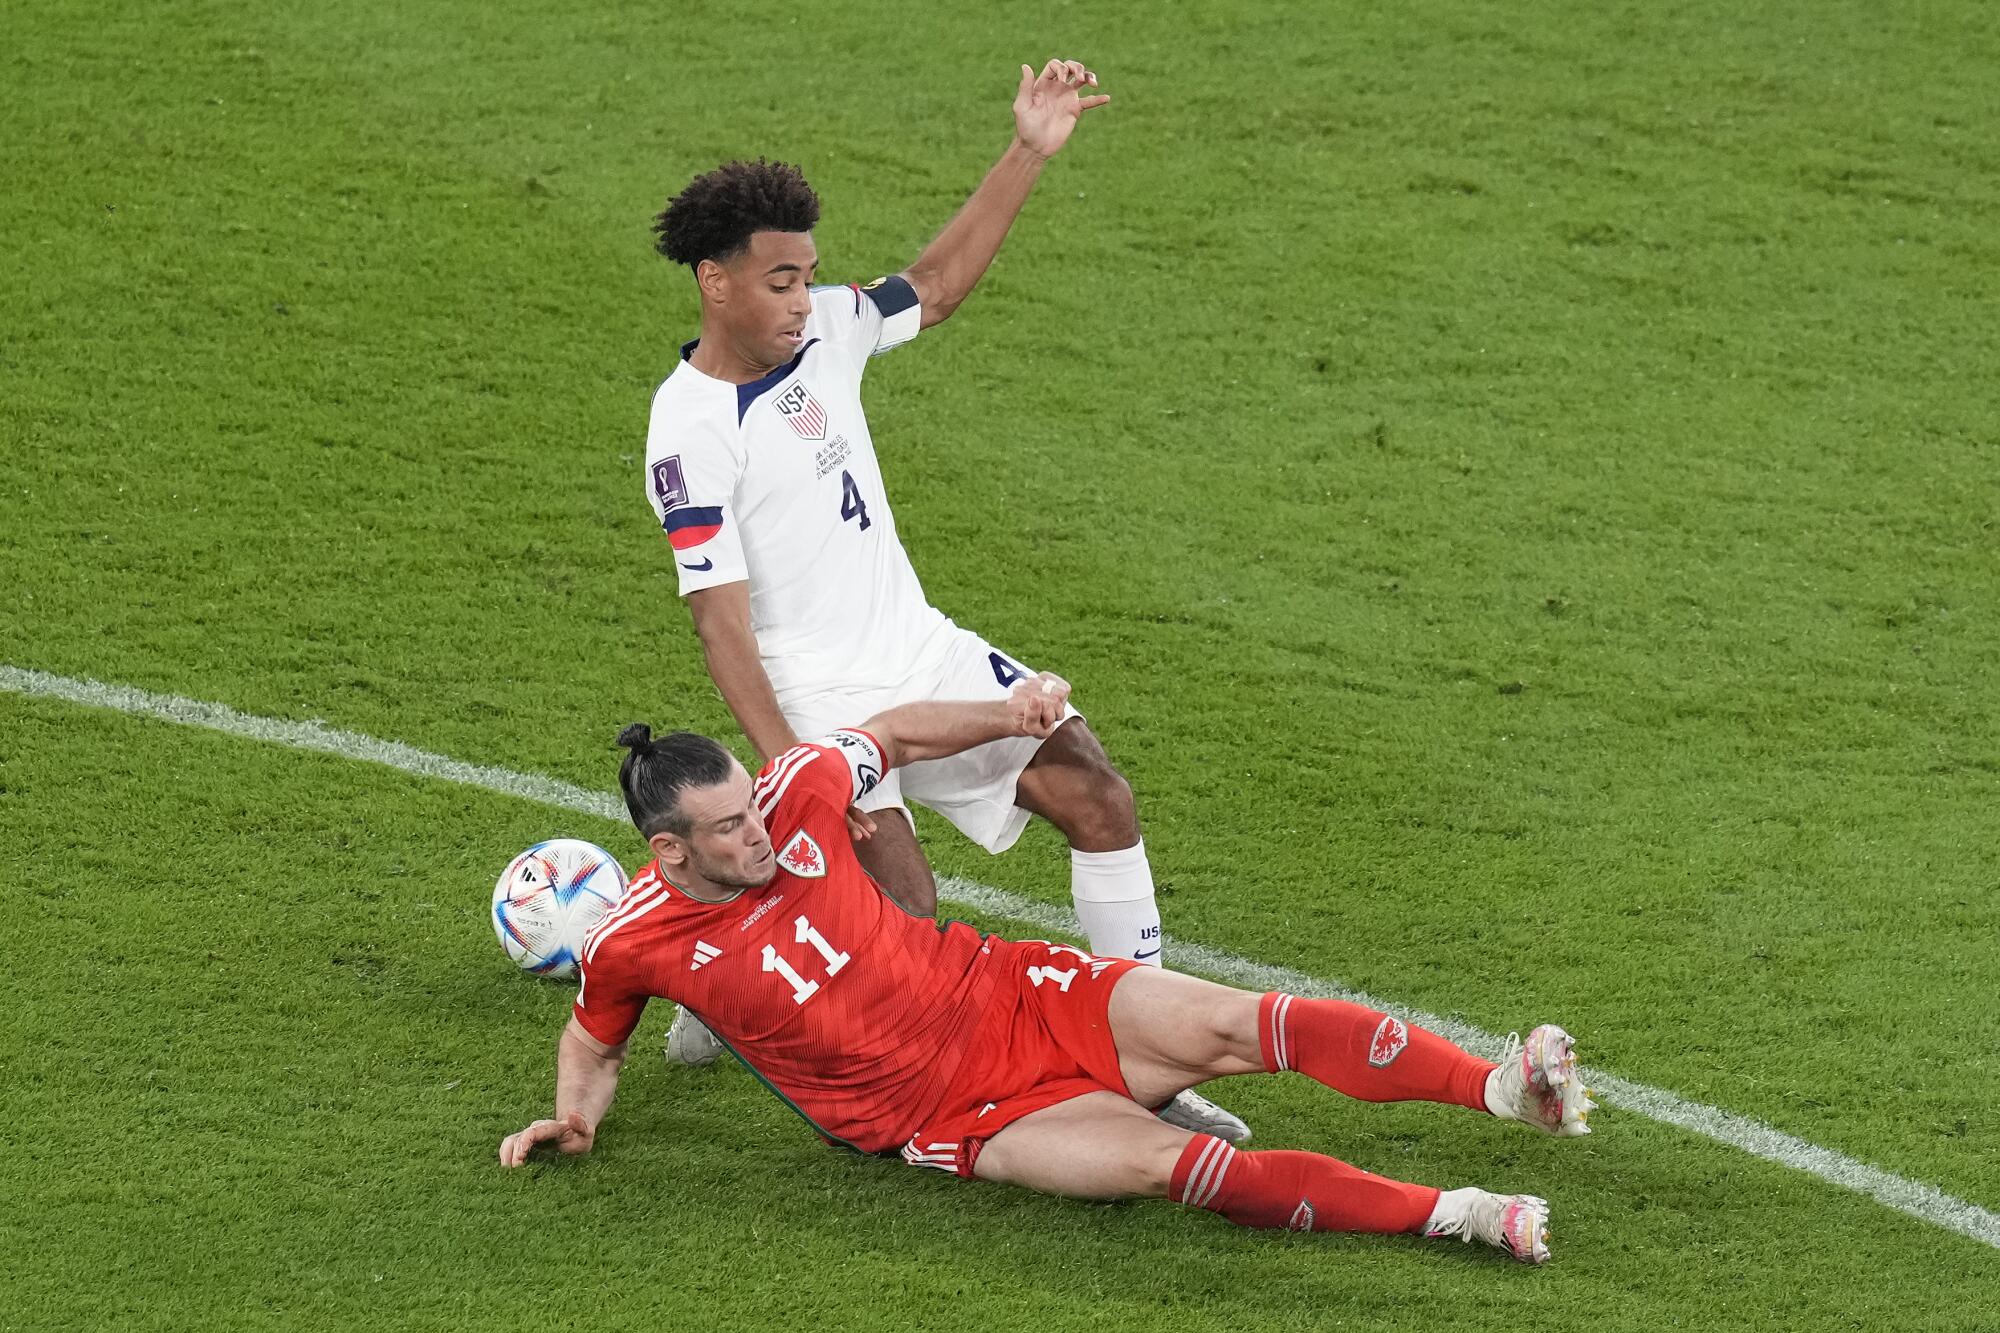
<point x="704" y="952"/>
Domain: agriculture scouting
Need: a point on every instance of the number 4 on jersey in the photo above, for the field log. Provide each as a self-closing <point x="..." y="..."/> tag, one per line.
<point x="1006" y="670"/>
<point x="851" y="505"/>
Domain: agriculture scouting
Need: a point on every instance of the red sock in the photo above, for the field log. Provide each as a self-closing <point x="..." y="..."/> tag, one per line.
<point x="1366" y="1054"/>
<point x="1300" y="1191"/>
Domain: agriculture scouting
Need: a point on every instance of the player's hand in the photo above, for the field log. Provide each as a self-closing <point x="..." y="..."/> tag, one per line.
<point x="571" y="1134"/>
<point x="859" y="826"/>
<point x="1047" y="106"/>
<point x="1037" y="705"/>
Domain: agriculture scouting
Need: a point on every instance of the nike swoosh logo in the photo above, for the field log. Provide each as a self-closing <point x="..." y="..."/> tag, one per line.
<point x="1141" y="957"/>
<point x="710" y="564"/>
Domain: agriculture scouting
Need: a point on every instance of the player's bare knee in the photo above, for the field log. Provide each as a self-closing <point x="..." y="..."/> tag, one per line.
<point x="1231" y="1032"/>
<point x="1105" y="816"/>
<point x="1152" y="1172"/>
<point x="1115" y="803"/>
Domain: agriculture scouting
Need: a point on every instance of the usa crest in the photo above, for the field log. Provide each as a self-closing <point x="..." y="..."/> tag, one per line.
<point x="803" y="857"/>
<point x="1388" y="1043"/>
<point x="802" y="412"/>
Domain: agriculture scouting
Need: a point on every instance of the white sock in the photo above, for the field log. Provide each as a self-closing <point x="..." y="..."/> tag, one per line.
<point x="1448" y="1218"/>
<point x="1114" y="903"/>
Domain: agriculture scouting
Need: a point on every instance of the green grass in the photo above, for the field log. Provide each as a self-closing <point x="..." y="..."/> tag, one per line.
<point x="1489" y="473"/>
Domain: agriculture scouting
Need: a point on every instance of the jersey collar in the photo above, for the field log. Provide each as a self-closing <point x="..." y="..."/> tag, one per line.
<point x="747" y="394"/>
<point x="674" y="889"/>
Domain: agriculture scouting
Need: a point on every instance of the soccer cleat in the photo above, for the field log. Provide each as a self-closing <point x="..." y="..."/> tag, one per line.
<point x="690" y="1043"/>
<point x="1537" y="1083"/>
<point x="1198" y="1115"/>
<point x="1516" y="1223"/>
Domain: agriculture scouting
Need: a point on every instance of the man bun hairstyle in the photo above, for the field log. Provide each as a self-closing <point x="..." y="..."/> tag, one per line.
<point x="656" y="772"/>
<point x="715" y="216"/>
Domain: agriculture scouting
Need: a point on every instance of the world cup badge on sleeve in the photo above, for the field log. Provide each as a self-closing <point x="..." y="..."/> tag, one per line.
<point x="668" y="483"/>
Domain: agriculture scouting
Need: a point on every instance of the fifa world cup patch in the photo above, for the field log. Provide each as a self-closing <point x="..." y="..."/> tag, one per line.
<point x="803" y="857"/>
<point x="670" y="483"/>
<point x="1390" y="1039"/>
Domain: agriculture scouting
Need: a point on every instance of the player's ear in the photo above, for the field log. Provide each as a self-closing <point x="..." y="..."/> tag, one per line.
<point x="713" y="279"/>
<point x="670" y="849"/>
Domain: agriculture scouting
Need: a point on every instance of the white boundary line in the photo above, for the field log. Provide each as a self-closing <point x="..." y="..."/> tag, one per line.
<point x="1924" y="1202"/>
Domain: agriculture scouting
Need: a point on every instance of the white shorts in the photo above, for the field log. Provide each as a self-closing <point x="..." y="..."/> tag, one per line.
<point x="973" y="789"/>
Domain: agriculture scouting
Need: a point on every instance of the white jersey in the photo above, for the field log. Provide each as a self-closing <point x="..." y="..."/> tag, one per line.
<point x="775" y="482"/>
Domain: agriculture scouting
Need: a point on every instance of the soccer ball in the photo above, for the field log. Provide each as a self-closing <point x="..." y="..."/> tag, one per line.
<point x="547" y="900"/>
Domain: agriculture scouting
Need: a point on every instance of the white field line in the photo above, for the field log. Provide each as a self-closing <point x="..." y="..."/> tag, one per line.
<point x="1920" y="1201"/>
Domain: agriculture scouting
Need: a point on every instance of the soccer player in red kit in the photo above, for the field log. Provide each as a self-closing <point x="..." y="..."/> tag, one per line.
<point x="1018" y="1061"/>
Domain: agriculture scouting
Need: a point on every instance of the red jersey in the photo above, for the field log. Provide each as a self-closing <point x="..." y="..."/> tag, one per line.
<point x="855" y="1012"/>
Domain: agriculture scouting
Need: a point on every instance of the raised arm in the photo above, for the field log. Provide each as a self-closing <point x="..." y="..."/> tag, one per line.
<point x="912" y="733"/>
<point x="722" y="621"/>
<point x="1046" y="109"/>
<point x="586" y="1080"/>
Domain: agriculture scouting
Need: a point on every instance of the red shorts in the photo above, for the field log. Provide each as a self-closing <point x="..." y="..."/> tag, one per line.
<point x="1043" y="1039"/>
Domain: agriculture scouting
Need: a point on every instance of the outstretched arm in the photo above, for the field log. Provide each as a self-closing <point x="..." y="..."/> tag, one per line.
<point x="912" y="733"/>
<point x="1046" y="109"/>
<point x="586" y="1079"/>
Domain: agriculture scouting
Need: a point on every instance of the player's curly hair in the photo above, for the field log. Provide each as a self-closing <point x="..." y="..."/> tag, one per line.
<point x="656" y="772"/>
<point x="713" y="218"/>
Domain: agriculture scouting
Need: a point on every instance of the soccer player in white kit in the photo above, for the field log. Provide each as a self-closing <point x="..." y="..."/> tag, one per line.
<point x="761" y="470"/>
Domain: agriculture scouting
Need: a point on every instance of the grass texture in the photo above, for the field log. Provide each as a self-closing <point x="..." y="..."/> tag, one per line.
<point x="1516" y="489"/>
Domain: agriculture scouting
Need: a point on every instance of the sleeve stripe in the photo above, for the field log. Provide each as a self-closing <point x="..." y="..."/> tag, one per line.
<point x="769" y="802"/>
<point x="778" y="767"/>
<point x="634" y="906"/>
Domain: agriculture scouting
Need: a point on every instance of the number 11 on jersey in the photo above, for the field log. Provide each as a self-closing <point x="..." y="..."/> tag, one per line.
<point x="802" y="989"/>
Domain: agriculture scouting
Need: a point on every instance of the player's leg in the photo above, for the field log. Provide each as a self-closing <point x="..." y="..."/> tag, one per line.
<point x="894" y="859"/>
<point x="1072" y="783"/>
<point x="1096" y="1146"/>
<point x="1103" y="1146"/>
<point x="1069" y="779"/>
<point x="1174" y="1030"/>
<point x="990" y="791"/>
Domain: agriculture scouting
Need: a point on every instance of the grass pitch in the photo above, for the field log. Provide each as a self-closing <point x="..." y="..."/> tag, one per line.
<point x="1509" y="485"/>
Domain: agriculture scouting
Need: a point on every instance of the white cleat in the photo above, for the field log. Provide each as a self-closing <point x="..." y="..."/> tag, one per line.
<point x="690" y="1043"/>
<point x="1198" y="1115"/>
<point x="1516" y="1223"/>
<point x="1537" y="1084"/>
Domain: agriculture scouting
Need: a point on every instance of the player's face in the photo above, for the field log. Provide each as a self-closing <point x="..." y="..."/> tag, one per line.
<point x="768" y="294"/>
<point x="728" y="845"/>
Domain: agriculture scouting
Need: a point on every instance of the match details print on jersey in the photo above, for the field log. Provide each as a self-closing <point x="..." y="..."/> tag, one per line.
<point x="775" y="483"/>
